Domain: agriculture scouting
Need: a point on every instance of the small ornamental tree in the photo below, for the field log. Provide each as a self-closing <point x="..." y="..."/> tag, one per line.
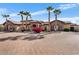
<point x="37" y="29"/>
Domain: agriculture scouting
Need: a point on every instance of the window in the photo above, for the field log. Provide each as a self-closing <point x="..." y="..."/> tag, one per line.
<point x="34" y="25"/>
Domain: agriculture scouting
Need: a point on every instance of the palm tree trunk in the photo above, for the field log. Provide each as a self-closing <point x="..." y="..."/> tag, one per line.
<point x="56" y="21"/>
<point x="26" y="21"/>
<point x="49" y="21"/>
<point x="6" y="24"/>
<point x="55" y="16"/>
<point x="22" y="22"/>
<point x="30" y="18"/>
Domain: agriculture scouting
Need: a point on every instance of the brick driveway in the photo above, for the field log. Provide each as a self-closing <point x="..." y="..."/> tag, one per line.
<point x="54" y="43"/>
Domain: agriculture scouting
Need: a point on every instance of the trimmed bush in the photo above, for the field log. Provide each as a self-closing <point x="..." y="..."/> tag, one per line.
<point x="66" y="29"/>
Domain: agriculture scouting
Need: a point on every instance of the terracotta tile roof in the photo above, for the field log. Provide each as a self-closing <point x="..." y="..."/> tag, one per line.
<point x="14" y="22"/>
<point x="35" y="21"/>
<point x="58" y="21"/>
<point x="27" y="20"/>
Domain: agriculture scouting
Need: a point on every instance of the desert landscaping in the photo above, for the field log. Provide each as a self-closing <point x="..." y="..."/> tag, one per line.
<point x="52" y="43"/>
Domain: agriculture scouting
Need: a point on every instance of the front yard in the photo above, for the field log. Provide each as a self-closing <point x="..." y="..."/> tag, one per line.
<point x="52" y="43"/>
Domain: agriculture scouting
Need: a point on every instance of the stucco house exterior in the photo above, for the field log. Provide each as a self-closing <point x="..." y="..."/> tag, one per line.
<point x="17" y="26"/>
<point x="29" y="24"/>
<point x="57" y="25"/>
<point x="12" y="25"/>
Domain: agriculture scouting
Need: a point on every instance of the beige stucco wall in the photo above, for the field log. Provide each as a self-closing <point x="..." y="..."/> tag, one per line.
<point x="57" y="23"/>
<point x="76" y="28"/>
<point x="9" y="25"/>
<point x="67" y="26"/>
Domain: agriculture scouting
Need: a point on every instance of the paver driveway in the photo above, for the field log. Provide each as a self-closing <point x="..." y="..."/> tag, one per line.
<point x="54" y="43"/>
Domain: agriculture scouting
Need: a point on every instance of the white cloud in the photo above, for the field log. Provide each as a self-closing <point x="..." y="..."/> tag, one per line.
<point x="39" y="12"/>
<point x="67" y="6"/>
<point x="13" y="14"/>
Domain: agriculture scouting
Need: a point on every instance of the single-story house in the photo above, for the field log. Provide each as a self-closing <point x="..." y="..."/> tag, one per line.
<point x="29" y="24"/>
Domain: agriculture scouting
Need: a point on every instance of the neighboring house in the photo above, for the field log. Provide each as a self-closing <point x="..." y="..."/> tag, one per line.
<point x="30" y="24"/>
<point x="71" y="26"/>
<point x="74" y="27"/>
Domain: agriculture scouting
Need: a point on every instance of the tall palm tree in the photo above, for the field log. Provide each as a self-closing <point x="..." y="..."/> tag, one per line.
<point x="21" y="13"/>
<point x="27" y="14"/>
<point x="49" y="9"/>
<point x="6" y="17"/>
<point x="56" y="12"/>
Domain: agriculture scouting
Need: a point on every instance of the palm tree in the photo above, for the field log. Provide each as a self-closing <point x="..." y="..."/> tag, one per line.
<point x="56" y="12"/>
<point x="49" y="9"/>
<point x="27" y="14"/>
<point x="30" y="16"/>
<point x="21" y="13"/>
<point x="6" y="16"/>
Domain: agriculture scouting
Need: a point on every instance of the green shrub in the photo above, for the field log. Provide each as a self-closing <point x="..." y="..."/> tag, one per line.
<point x="1" y="27"/>
<point x="66" y="29"/>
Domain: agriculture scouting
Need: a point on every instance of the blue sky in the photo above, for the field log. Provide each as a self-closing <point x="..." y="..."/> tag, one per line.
<point x="69" y="12"/>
